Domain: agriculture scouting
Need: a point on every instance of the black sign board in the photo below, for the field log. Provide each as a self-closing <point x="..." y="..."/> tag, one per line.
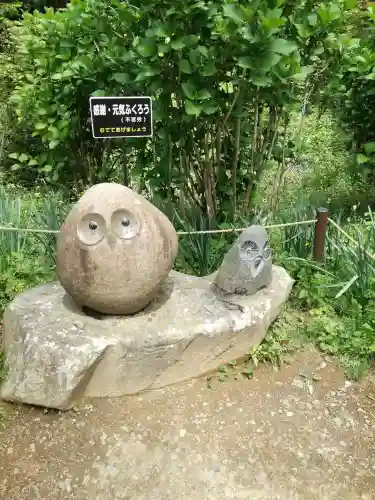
<point x="113" y="117"/>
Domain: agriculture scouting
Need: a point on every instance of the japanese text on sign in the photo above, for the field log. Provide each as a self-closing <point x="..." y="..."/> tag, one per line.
<point x="121" y="109"/>
<point x="121" y="116"/>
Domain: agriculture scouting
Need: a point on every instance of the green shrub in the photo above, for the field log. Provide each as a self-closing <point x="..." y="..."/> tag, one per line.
<point x="317" y="172"/>
<point x="353" y="99"/>
<point x="357" y="90"/>
<point x="223" y="77"/>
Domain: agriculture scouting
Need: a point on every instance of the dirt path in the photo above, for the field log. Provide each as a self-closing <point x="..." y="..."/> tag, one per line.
<point x="278" y="436"/>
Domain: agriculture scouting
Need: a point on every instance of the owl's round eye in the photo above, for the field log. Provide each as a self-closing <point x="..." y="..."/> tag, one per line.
<point x="267" y="251"/>
<point x="125" y="224"/>
<point x="249" y="250"/>
<point x="91" y="229"/>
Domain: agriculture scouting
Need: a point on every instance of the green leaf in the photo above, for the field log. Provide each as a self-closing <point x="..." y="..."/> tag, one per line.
<point x="83" y="62"/>
<point x="361" y="159"/>
<point x="346" y="287"/>
<point x="146" y="73"/>
<point x="234" y="13"/>
<point x="199" y="5"/>
<point x="245" y="62"/>
<point x="260" y="80"/>
<point x="273" y="20"/>
<point x="55" y="132"/>
<point x="313" y="19"/>
<point x="178" y="44"/>
<point x="318" y="50"/>
<point x="370" y="148"/>
<point x="47" y="168"/>
<point x="185" y="66"/>
<point x="350" y="4"/>
<point x="32" y="162"/>
<point x="14" y="156"/>
<point x="248" y="34"/>
<point x="303" y="30"/>
<point x="268" y="61"/>
<point x="303" y="74"/>
<point x="161" y="31"/>
<point x="208" y="70"/>
<point x="334" y="10"/>
<point x="203" y="50"/>
<point x="372" y="348"/>
<point x="203" y="94"/>
<point x="163" y="48"/>
<point x="210" y="107"/>
<point x="189" y="90"/>
<point x="194" y="57"/>
<point x="248" y="371"/>
<point x="121" y="77"/>
<point x="66" y="44"/>
<point x="23" y="157"/>
<point x="40" y="126"/>
<point x="15" y="167"/>
<point x="99" y="93"/>
<point x="328" y="12"/>
<point x="192" y="108"/>
<point x="147" y="48"/>
<point x="53" y="143"/>
<point x="191" y="40"/>
<point x="282" y="46"/>
<point x="67" y="73"/>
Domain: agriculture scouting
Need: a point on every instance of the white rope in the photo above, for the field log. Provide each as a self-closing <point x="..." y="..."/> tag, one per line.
<point x="180" y="233"/>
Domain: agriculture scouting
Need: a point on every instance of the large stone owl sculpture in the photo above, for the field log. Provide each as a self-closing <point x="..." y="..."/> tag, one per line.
<point x="114" y="250"/>
<point x="247" y="267"/>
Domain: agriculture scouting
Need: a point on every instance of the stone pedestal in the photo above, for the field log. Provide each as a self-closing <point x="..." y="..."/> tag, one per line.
<point x="56" y="353"/>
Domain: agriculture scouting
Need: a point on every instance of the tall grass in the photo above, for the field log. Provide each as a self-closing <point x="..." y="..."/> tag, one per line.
<point x="199" y="254"/>
<point x="297" y="240"/>
<point x="343" y="259"/>
<point x="31" y="211"/>
<point x="49" y="214"/>
<point x="11" y="242"/>
<point x="26" y="258"/>
<point x="351" y="263"/>
<point x="337" y="296"/>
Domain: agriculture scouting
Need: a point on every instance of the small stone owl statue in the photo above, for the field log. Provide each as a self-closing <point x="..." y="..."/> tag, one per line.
<point x="247" y="267"/>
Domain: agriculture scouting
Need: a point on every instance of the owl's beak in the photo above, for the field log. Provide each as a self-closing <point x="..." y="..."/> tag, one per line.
<point x="111" y="239"/>
<point x="257" y="266"/>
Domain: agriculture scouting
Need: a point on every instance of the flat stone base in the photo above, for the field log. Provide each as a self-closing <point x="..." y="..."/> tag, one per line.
<point x="56" y="353"/>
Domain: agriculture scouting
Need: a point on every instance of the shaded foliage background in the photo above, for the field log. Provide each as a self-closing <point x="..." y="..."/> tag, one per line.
<point x="224" y="78"/>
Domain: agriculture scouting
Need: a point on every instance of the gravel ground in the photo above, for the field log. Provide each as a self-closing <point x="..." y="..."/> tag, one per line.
<point x="301" y="433"/>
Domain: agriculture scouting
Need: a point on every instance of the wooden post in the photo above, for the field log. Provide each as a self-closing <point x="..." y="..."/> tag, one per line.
<point x="320" y="233"/>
